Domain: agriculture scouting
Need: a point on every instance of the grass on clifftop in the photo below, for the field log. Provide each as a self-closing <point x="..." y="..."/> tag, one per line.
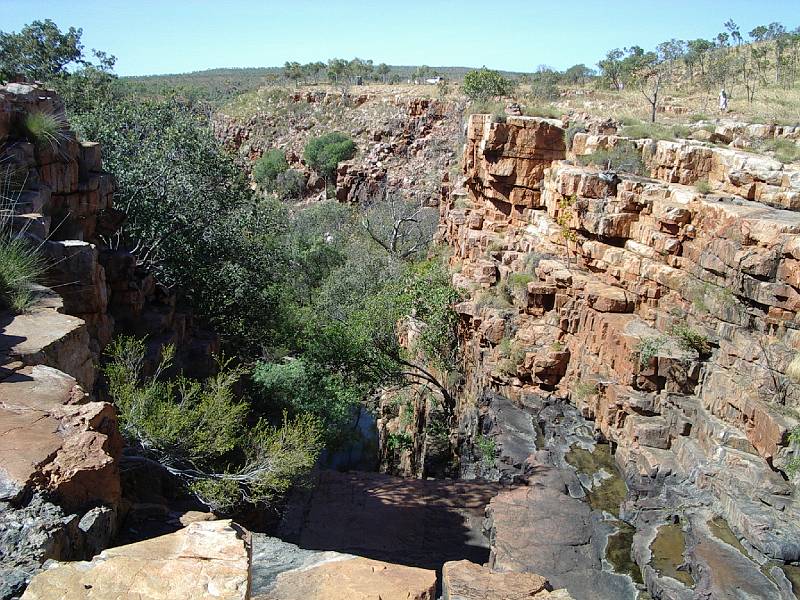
<point x="21" y="264"/>
<point x="44" y="128"/>
<point x="20" y="267"/>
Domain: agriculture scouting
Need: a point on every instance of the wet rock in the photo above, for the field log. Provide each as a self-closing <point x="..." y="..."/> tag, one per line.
<point x="541" y="529"/>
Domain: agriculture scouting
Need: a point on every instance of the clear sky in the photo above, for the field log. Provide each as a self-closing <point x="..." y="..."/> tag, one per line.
<point x="173" y="36"/>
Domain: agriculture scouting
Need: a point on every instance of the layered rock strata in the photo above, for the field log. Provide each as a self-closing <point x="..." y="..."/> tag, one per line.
<point x="667" y="316"/>
<point x="60" y="450"/>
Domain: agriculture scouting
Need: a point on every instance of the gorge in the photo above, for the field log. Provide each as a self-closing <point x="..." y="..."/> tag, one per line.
<point x="614" y="417"/>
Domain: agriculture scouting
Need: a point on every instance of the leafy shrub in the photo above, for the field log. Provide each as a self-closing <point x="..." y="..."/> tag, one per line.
<point x="43" y="128"/>
<point x="324" y="153"/>
<point x="531" y="261"/>
<point x="192" y="213"/>
<point x="484" y="83"/>
<point x="397" y="442"/>
<point x="585" y="389"/>
<point x="691" y="339"/>
<point x="302" y="386"/>
<point x="544" y="85"/>
<point x="267" y="168"/>
<point x="794" y="464"/>
<point x="512" y="356"/>
<point x="624" y="157"/>
<point x="486" y="449"/>
<point x="290" y="185"/>
<point x="702" y="186"/>
<point x="520" y="280"/>
<point x="647" y="349"/>
<point x="198" y="431"/>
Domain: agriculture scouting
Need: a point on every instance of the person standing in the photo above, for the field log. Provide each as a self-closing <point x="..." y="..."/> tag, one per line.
<point x="723" y="100"/>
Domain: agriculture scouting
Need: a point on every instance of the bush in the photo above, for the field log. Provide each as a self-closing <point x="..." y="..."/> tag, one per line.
<point x="648" y="349"/>
<point x="484" y="83"/>
<point x="785" y="151"/>
<point x="544" y="85"/>
<point x="585" y="389"/>
<point x="520" y="280"/>
<point x="324" y="153"/>
<point x="199" y="433"/>
<point x="486" y="449"/>
<point x="192" y="214"/>
<point x="690" y="339"/>
<point x="624" y="157"/>
<point x="397" y="442"/>
<point x="702" y="186"/>
<point x="290" y="185"/>
<point x="267" y="168"/>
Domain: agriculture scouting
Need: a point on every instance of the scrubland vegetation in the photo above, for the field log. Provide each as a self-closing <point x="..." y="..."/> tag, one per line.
<point x="309" y="301"/>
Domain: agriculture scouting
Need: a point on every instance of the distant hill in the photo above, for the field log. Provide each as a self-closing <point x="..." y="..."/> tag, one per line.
<point x="222" y="84"/>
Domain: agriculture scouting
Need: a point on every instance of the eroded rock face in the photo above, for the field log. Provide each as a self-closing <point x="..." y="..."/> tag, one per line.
<point x="66" y="208"/>
<point x="666" y="316"/>
<point x="53" y="440"/>
<point x="204" y="560"/>
<point x="464" y="580"/>
<point x="282" y="571"/>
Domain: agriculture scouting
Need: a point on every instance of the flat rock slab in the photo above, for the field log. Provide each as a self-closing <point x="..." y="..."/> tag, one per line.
<point x="206" y="560"/>
<point x="422" y="523"/>
<point x="541" y="529"/>
<point x="51" y="338"/>
<point x="282" y="571"/>
<point x="464" y="580"/>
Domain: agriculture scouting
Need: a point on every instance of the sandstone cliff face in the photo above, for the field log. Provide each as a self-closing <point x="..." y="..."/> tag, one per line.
<point x="64" y="202"/>
<point x="666" y="316"/>
<point x="60" y="448"/>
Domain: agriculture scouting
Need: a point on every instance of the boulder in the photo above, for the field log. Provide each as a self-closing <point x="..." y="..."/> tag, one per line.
<point x="282" y="571"/>
<point x="51" y="439"/>
<point x="206" y="560"/>
<point x="464" y="580"/>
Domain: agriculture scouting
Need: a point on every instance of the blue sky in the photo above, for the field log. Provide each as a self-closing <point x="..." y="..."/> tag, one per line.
<point x="171" y="36"/>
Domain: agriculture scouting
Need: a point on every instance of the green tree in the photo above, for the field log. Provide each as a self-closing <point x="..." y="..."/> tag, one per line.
<point x="293" y="71"/>
<point x="192" y="219"/>
<point x="325" y="152"/>
<point x="578" y="74"/>
<point x="267" y="168"/>
<point x="482" y="84"/>
<point x="612" y="69"/>
<point x="39" y="51"/>
<point x="383" y="71"/>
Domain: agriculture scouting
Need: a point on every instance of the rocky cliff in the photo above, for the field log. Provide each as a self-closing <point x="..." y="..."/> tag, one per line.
<point x="60" y="449"/>
<point x="666" y="315"/>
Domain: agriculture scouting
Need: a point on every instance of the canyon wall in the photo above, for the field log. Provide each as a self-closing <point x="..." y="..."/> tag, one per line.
<point x="666" y="314"/>
<point x="60" y="448"/>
